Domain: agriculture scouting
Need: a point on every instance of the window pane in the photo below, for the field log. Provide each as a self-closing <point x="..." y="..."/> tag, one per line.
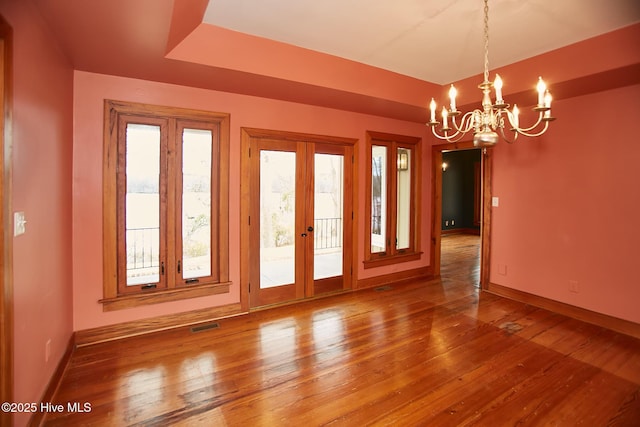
<point x="378" y="198"/>
<point x="277" y="218"/>
<point x="142" y="204"/>
<point x="403" y="213"/>
<point x="328" y="208"/>
<point x="196" y="203"/>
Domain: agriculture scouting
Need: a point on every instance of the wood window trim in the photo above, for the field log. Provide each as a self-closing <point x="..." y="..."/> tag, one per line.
<point x="165" y="295"/>
<point x="392" y="259"/>
<point x="413" y="252"/>
<point x="122" y="122"/>
<point x="112" y="298"/>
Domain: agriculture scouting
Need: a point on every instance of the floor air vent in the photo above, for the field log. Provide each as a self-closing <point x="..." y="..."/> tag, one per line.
<point x="384" y="288"/>
<point x="205" y="327"/>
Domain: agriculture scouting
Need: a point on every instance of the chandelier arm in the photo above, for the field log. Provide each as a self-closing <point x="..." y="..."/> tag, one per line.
<point x="444" y="137"/>
<point x="530" y="134"/>
<point x="456" y="137"/>
<point x="504" y="136"/>
<point x="466" y="125"/>
<point x="527" y="131"/>
<point x="466" y="122"/>
<point x="530" y="128"/>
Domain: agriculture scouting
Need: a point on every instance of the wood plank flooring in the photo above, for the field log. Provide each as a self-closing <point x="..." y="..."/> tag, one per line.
<point x="438" y="353"/>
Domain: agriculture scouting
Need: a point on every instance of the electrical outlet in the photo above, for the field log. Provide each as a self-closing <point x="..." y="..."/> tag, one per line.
<point x="446" y="223"/>
<point x="453" y="222"/>
<point x="574" y="286"/>
<point x="502" y="269"/>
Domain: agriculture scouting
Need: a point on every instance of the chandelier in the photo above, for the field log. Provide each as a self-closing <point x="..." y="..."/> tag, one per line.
<point x="493" y="116"/>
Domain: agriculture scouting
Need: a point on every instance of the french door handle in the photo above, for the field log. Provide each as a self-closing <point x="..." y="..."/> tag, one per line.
<point x="309" y="228"/>
<point x="304" y="234"/>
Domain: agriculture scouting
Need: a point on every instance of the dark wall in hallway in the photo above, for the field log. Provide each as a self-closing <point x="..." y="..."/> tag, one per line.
<point x="458" y="181"/>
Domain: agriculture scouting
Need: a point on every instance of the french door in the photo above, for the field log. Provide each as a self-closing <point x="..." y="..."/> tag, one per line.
<point x="300" y="219"/>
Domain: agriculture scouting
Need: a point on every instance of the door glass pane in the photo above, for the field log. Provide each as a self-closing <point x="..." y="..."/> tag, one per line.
<point x="378" y="198"/>
<point x="142" y="204"/>
<point x="403" y="214"/>
<point x="196" y="203"/>
<point x="328" y="207"/>
<point x="277" y="218"/>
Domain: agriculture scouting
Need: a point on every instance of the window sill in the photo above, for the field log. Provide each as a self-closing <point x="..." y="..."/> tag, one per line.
<point x="395" y="259"/>
<point x="157" y="297"/>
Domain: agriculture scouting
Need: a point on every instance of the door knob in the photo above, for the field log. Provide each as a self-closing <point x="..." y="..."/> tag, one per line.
<point x="309" y="228"/>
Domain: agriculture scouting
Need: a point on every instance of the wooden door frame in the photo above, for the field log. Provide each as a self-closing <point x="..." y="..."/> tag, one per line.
<point x="296" y="290"/>
<point x="436" y="207"/>
<point x="345" y="150"/>
<point x="6" y="266"/>
<point x="246" y="135"/>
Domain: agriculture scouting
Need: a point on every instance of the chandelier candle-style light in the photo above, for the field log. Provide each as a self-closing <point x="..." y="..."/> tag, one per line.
<point x="493" y="116"/>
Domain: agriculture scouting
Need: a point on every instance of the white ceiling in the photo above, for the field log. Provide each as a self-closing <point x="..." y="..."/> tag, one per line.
<point x="439" y="41"/>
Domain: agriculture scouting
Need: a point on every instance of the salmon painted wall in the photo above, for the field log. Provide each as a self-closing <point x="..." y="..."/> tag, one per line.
<point x="239" y="51"/>
<point x="41" y="167"/>
<point x="569" y="204"/>
<point x="90" y="90"/>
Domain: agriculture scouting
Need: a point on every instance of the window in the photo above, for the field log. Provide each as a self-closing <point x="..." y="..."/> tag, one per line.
<point x="392" y="209"/>
<point x="165" y="204"/>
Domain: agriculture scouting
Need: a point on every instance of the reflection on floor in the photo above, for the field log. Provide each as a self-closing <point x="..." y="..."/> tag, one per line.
<point x="434" y="353"/>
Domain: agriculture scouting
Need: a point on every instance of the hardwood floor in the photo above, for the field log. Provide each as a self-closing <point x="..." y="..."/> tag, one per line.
<point x="460" y="259"/>
<point x="437" y="353"/>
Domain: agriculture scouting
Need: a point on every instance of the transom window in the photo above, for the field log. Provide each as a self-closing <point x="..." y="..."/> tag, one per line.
<point x="166" y="207"/>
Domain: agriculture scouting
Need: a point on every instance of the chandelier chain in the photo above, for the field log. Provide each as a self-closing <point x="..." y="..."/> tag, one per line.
<point x="486" y="40"/>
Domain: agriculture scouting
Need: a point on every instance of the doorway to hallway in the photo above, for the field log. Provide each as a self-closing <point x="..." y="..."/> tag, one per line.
<point x="485" y="191"/>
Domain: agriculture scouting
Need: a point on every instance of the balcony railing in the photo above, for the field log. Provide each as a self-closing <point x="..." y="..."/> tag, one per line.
<point x="327" y="233"/>
<point x="143" y="244"/>
<point x="143" y="248"/>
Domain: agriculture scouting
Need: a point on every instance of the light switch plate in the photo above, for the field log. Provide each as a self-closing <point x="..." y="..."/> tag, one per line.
<point x="495" y="202"/>
<point x="19" y="222"/>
